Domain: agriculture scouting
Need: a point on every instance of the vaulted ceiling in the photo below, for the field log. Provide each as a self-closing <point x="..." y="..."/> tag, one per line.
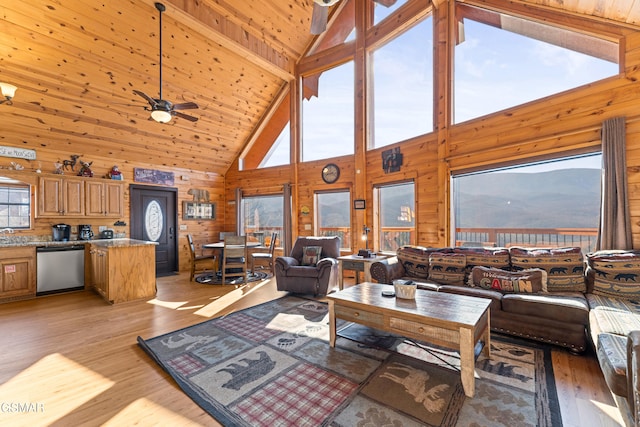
<point x="77" y="62"/>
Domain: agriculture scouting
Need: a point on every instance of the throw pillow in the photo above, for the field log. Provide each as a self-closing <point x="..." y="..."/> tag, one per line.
<point x="415" y="260"/>
<point x="564" y="266"/>
<point x="311" y="255"/>
<point x="616" y="274"/>
<point x="447" y="268"/>
<point x="485" y="257"/>
<point x="525" y="281"/>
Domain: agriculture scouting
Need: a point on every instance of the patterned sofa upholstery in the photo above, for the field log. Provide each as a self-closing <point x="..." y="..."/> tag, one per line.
<point x="594" y="296"/>
<point x="559" y="315"/>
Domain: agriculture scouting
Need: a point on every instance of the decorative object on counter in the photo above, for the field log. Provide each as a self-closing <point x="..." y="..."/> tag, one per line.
<point x="59" y="168"/>
<point x="71" y="163"/>
<point x="16" y="166"/>
<point x="8" y="92"/>
<point x="18" y="153"/>
<point x="114" y="173"/>
<point x="152" y="176"/>
<point x="199" y="195"/>
<point x="391" y="160"/>
<point x="119" y="223"/>
<point x="405" y="289"/>
<point x="85" y="170"/>
<point x="193" y="210"/>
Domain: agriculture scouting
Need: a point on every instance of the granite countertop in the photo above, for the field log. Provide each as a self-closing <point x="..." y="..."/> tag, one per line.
<point x="120" y="242"/>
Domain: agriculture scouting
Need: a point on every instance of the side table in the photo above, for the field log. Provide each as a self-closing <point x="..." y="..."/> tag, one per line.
<point x="357" y="263"/>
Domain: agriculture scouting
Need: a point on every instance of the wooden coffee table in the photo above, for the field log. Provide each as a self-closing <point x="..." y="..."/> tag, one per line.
<point x="453" y="321"/>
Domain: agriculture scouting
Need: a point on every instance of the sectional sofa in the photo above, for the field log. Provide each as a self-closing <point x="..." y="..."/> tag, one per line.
<point x="555" y="295"/>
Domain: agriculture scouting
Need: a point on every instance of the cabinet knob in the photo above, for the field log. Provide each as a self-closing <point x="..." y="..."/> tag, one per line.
<point x="421" y="330"/>
<point x="356" y="314"/>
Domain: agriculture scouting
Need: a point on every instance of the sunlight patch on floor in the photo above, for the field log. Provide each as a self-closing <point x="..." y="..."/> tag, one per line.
<point x="215" y="307"/>
<point x="136" y="413"/>
<point x="609" y="415"/>
<point x="174" y="305"/>
<point x="53" y="387"/>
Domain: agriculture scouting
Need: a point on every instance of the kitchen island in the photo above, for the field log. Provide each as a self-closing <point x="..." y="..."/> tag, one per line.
<point x="121" y="270"/>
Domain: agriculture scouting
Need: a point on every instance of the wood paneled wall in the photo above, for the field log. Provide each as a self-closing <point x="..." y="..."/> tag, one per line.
<point x="185" y="179"/>
<point x="563" y="124"/>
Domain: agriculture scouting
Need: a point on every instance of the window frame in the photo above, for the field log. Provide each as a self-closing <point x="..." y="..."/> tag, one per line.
<point x="345" y="242"/>
<point x="378" y="227"/>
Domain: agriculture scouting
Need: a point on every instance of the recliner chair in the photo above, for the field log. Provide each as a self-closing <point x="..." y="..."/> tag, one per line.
<point x="294" y="276"/>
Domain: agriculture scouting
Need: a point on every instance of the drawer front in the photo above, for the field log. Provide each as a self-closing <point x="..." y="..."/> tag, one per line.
<point x="424" y="332"/>
<point x="359" y="316"/>
<point x="350" y="265"/>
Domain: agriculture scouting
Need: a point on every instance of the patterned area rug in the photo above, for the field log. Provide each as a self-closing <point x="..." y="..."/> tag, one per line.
<point x="214" y="278"/>
<point x="271" y="365"/>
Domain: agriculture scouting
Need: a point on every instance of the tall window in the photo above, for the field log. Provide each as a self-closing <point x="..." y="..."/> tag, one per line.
<point x="402" y="75"/>
<point x="333" y="210"/>
<point x="262" y="215"/>
<point x="396" y="212"/>
<point x="15" y="206"/>
<point x="328" y="113"/>
<point x="546" y="204"/>
<point x="279" y="154"/>
<point x="502" y="61"/>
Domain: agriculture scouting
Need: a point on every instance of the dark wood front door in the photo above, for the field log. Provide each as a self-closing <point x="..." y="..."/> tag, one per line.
<point x="153" y="218"/>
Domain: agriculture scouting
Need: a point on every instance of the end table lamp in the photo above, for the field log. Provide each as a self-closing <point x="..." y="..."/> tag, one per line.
<point x="365" y="253"/>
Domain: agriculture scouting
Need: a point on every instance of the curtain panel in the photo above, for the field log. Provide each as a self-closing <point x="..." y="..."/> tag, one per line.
<point x="615" y="222"/>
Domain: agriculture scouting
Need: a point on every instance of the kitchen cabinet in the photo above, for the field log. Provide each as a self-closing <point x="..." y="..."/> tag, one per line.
<point x="17" y="273"/>
<point x="61" y="196"/>
<point x="104" y="199"/>
<point x="122" y="269"/>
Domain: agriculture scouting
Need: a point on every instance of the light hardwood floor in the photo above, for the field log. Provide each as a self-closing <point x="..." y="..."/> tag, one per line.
<point x="75" y="358"/>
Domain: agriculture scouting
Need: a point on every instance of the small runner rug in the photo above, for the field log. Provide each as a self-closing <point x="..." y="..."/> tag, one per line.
<point x="271" y="365"/>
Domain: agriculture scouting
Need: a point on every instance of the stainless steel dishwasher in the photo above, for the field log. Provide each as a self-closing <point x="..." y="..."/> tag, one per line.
<point x="59" y="269"/>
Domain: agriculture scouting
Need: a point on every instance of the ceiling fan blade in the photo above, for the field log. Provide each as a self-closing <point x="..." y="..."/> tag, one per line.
<point x="185" y="106"/>
<point x="185" y="116"/>
<point x="319" y="19"/>
<point x="386" y="3"/>
<point x="145" y="96"/>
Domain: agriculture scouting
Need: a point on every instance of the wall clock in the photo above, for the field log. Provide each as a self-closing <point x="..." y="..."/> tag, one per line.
<point x="330" y="173"/>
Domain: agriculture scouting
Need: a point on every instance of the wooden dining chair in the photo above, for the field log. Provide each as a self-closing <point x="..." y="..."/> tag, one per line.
<point x="234" y="258"/>
<point x="261" y="257"/>
<point x="198" y="260"/>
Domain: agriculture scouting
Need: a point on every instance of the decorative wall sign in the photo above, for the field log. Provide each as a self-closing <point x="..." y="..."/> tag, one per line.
<point x="152" y="176"/>
<point x="359" y="204"/>
<point x="194" y="210"/>
<point x="391" y="160"/>
<point x="199" y="195"/>
<point x="19" y="153"/>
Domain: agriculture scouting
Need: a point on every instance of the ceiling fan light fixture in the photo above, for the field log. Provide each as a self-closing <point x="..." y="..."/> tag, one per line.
<point x="8" y="92"/>
<point x="161" y="116"/>
<point x="326" y="3"/>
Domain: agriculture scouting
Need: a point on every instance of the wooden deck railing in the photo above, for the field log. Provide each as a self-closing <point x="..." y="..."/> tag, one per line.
<point x="528" y="237"/>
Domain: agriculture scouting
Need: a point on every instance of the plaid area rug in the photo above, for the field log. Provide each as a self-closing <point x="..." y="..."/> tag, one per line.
<point x="271" y="365"/>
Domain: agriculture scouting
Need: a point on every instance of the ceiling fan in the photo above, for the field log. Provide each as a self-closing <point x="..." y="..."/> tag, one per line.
<point x="162" y="110"/>
<point x="320" y="14"/>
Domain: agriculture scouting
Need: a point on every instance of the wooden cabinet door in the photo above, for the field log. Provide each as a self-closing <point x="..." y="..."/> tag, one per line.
<point x="114" y="199"/>
<point x="99" y="271"/>
<point x="73" y="197"/>
<point x="50" y="198"/>
<point x="17" y="273"/>
<point x="94" y="199"/>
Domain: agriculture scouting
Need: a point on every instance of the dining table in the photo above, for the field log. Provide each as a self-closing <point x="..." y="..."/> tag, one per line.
<point x="219" y="247"/>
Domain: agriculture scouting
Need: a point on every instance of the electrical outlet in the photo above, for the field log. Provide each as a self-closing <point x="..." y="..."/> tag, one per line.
<point x="183" y="227"/>
<point x="307" y="226"/>
<point x="102" y="228"/>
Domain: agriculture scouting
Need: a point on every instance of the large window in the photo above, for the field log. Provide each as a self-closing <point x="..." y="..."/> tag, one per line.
<point x="328" y="113"/>
<point x="15" y="206"/>
<point x="546" y="204"/>
<point x="395" y="209"/>
<point x="333" y="210"/>
<point x="402" y="76"/>
<point x="262" y="215"/>
<point x="502" y="61"/>
<point x="279" y="154"/>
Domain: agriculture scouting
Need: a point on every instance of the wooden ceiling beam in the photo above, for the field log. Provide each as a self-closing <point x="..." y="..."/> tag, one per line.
<point x="204" y="19"/>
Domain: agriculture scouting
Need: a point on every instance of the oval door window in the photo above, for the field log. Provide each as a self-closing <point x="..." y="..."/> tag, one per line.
<point x="153" y="221"/>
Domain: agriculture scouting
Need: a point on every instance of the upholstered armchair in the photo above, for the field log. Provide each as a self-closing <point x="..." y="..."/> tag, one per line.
<point x="304" y="272"/>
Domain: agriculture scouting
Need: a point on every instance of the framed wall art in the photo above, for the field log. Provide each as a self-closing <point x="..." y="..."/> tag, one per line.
<point x="197" y="210"/>
<point x="359" y="204"/>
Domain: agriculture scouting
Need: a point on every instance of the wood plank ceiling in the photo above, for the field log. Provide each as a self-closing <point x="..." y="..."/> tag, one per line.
<point x="77" y="62"/>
